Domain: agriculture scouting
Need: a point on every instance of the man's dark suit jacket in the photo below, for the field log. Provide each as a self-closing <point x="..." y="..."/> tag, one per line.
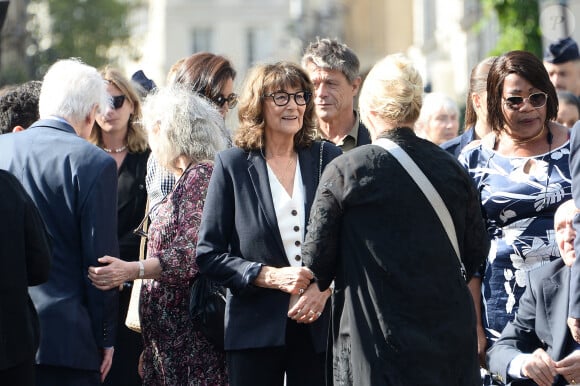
<point x="540" y="322"/>
<point x="25" y="261"/>
<point x="74" y="185"/>
<point x="239" y="233"/>
<point x="574" y="310"/>
<point x="455" y="145"/>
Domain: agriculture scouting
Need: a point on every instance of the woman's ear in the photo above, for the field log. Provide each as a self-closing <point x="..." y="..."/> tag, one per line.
<point x="476" y="100"/>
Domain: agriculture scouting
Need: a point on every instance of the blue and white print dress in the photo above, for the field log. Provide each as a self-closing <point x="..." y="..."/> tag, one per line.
<point x="519" y="197"/>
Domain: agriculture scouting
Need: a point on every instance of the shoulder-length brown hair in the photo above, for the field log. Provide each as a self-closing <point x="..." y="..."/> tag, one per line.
<point x="136" y="136"/>
<point x="262" y="80"/>
<point x="529" y="67"/>
<point x="204" y="72"/>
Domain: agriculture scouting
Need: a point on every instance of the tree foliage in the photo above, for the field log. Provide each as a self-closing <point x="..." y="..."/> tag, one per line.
<point x="519" y="25"/>
<point x="85" y="29"/>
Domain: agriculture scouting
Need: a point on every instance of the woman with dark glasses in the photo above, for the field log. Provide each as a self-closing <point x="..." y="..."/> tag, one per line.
<point x="253" y="225"/>
<point x="521" y="171"/>
<point x="210" y="76"/>
<point x="118" y="132"/>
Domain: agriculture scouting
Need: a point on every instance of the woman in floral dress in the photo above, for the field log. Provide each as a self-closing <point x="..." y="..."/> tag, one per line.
<point x="521" y="171"/>
<point x="184" y="134"/>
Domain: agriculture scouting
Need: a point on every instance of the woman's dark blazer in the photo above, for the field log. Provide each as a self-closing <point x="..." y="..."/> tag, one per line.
<point x="131" y="202"/>
<point x="239" y="233"/>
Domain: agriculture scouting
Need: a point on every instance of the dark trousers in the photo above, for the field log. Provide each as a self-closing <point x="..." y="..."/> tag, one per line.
<point x="66" y="376"/>
<point x="21" y="375"/>
<point x="128" y="347"/>
<point x="267" y="366"/>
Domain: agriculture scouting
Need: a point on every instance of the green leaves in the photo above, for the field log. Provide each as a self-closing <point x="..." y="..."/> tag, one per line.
<point x="519" y="25"/>
<point x="79" y="28"/>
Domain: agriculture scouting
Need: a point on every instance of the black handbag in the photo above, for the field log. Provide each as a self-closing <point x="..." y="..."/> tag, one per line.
<point x="207" y="307"/>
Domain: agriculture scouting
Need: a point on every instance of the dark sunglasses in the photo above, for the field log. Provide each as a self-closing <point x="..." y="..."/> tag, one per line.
<point x="231" y="99"/>
<point x="118" y="101"/>
<point x="537" y="100"/>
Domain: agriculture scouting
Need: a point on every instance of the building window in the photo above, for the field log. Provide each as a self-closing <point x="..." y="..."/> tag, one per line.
<point x="258" y="45"/>
<point x="202" y="40"/>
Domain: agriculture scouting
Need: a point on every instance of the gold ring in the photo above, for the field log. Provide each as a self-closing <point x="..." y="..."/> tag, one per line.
<point x="573" y="382"/>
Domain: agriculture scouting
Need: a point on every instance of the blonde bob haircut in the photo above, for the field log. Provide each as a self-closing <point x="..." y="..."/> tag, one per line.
<point x="136" y="136"/>
<point x="393" y="91"/>
<point x="263" y="80"/>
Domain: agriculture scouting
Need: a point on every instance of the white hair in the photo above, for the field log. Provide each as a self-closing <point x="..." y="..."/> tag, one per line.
<point x="433" y="102"/>
<point x="180" y="122"/>
<point x="71" y="89"/>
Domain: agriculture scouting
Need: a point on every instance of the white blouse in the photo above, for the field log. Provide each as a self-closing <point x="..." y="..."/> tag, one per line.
<point x="290" y="214"/>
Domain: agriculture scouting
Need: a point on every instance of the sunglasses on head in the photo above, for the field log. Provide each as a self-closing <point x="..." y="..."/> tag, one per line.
<point x="537" y="100"/>
<point x="231" y="99"/>
<point x="118" y="101"/>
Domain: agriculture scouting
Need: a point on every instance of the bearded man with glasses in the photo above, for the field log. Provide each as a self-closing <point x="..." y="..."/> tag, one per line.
<point x="521" y="170"/>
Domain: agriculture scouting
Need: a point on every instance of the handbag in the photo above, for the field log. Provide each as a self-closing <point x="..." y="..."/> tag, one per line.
<point x="133" y="320"/>
<point x="428" y="190"/>
<point x="207" y="308"/>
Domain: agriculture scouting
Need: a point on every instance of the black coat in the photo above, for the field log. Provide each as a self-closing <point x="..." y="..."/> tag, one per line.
<point x="131" y="201"/>
<point x="25" y="261"/>
<point x="402" y="313"/>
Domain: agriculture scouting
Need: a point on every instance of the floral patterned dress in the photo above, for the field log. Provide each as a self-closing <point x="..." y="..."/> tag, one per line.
<point x="175" y="354"/>
<point x="519" y="209"/>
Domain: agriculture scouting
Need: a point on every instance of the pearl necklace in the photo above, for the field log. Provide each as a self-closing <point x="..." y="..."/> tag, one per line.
<point x="118" y="150"/>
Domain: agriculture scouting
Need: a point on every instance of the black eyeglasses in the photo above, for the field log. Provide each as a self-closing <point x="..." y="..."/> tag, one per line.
<point x="118" y="101"/>
<point x="231" y="99"/>
<point x="281" y="98"/>
<point x="537" y="100"/>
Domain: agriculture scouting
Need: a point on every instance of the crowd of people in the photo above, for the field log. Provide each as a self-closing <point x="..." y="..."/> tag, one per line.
<point x="377" y="245"/>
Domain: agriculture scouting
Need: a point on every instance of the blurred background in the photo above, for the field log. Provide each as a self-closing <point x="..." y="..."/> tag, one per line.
<point x="444" y="38"/>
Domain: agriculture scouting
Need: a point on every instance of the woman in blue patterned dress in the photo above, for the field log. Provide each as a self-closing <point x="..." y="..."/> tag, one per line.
<point x="185" y="133"/>
<point x="521" y="171"/>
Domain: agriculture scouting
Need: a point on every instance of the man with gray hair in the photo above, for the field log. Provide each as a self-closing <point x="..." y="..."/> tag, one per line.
<point x="334" y="70"/>
<point x="74" y="185"/>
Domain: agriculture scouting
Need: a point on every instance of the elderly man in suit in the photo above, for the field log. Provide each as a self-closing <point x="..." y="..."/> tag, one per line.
<point x="74" y="185"/>
<point x="537" y="348"/>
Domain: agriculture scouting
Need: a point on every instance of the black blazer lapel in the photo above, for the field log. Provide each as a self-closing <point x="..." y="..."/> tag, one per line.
<point x="259" y="176"/>
<point x="309" y="164"/>
<point x="555" y="290"/>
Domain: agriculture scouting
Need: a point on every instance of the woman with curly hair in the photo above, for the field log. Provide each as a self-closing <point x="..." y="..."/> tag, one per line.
<point x="252" y="228"/>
